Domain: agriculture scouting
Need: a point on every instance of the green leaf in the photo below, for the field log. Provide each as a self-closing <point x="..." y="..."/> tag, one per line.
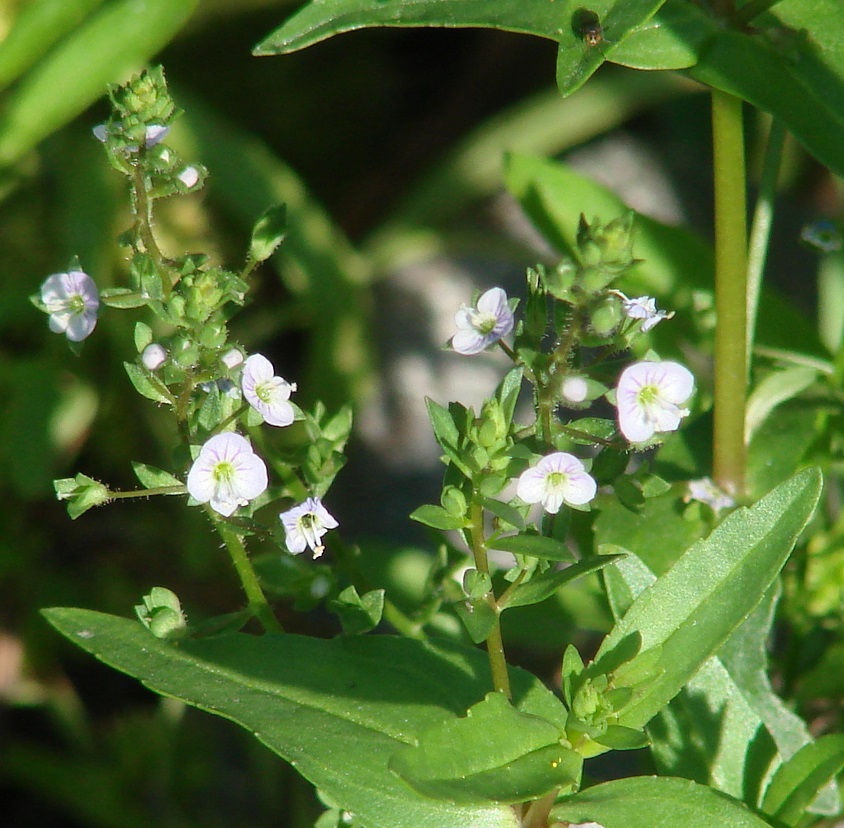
<point x="617" y="737"/>
<point x="38" y="25"/>
<point x="124" y="298"/>
<point x="656" y="802"/>
<point x="577" y="59"/>
<point x="326" y="18"/>
<point x="798" y="781"/>
<point x="774" y="389"/>
<point x="791" y="65"/>
<point x="504" y="512"/>
<point x="359" y="614"/>
<point x="153" y="478"/>
<point x="494" y="754"/>
<point x="540" y="587"/>
<point x="537" y="545"/>
<point x="437" y="518"/>
<point x="268" y="233"/>
<point x="672" y="39"/>
<point x="145" y="385"/>
<point x="478" y="618"/>
<point x="108" y="46"/>
<point x="726" y="728"/>
<point x="336" y="709"/>
<point x="695" y="606"/>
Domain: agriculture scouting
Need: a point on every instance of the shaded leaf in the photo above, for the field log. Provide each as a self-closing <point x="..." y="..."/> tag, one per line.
<point x="337" y="710"/>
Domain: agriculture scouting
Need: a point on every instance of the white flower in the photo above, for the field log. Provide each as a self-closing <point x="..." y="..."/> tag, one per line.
<point x="556" y="479"/>
<point x="650" y="397"/>
<point x="705" y="491"/>
<point x="72" y="300"/>
<point x="574" y="389"/>
<point x="305" y="524"/>
<point x="644" y="308"/>
<point x="153" y="356"/>
<point x="227" y="473"/>
<point x="267" y="393"/>
<point x="482" y="326"/>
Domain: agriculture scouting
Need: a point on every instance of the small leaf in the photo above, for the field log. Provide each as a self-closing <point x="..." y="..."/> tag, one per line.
<point x="268" y="233"/>
<point x="504" y="511"/>
<point x="437" y="518"/>
<point x="478" y="618"/>
<point x="543" y="586"/>
<point x="536" y="545"/>
<point x="147" y="386"/>
<point x="153" y="478"/>
<point x="123" y="298"/>
<point x="494" y="754"/>
<point x="359" y="614"/>
<point x="618" y="737"/>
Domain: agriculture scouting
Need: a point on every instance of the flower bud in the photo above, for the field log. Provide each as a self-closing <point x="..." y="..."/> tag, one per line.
<point x="606" y="317"/>
<point x="153" y="356"/>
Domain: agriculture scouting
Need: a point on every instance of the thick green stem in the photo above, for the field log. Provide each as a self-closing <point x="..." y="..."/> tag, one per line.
<point x="254" y="594"/>
<point x="760" y="228"/>
<point x="729" y="451"/>
<point x="494" y="643"/>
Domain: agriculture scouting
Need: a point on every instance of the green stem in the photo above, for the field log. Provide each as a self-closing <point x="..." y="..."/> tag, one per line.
<point x="158" y="490"/>
<point x="494" y="643"/>
<point x="760" y="228"/>
<point x="729" y="451"/>
<point x="258" y="603"/>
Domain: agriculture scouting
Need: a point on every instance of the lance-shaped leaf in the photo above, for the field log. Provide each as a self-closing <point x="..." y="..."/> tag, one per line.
<point x="798" y="781"/>
<point x="656" y="802"/>
<point x="695" y="606"/>
<point x="336" y="710"/>
<point x="494" y="754"/>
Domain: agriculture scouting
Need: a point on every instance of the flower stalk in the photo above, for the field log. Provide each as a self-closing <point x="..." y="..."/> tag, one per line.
<point x="731" y="381"/>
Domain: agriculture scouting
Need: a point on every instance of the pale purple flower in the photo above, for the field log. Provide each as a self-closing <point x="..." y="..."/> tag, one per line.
<point x="483" y="325"/>
<point x="227" y="473"/>
<point x="153" y="356"/>
<point x="556" y="479"/>
<point x="305" y="524"/>
<point x="650" y="398"/>
<point x="72" y="300"/>
<point x="643" y="308"/>
<point x="267" y="393"/>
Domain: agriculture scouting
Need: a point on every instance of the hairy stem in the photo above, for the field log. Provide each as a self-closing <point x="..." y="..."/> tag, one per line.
<point x="495" y="643"/>
<point x="729" y="450"/>
<point x="258" y="603"/>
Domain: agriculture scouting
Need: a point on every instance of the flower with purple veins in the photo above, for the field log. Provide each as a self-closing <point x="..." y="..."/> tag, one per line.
<point x="72" y="300"/>
<point x="643" y="308"/>
<point x="650" y="398"/>
<point x="483" y="325"/>
<point x="267" y="393"/>
<point x="556" y="479"/>
<point x="305" y="524"/>
<point x="227" y="473"/>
